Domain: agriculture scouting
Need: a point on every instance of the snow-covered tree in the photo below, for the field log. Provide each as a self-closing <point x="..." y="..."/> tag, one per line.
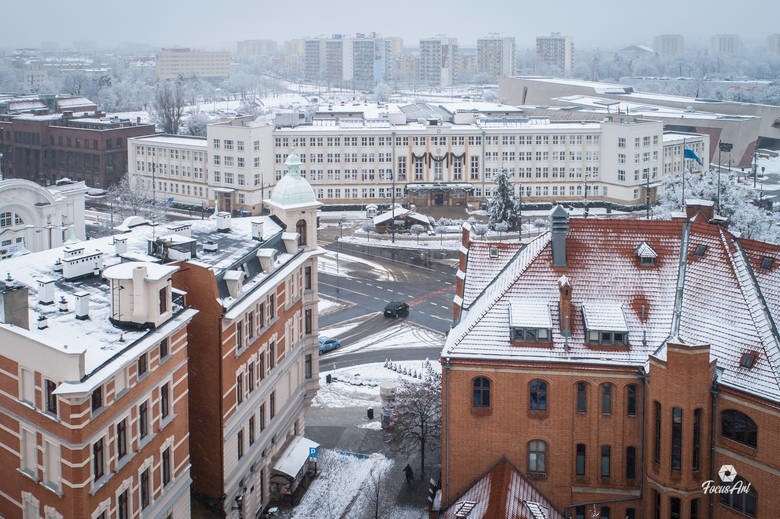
<point x="738" y="202"/>
<point x="479" y="229"/>
<point x="168" y="105"/>
<point x="417" y="415"/>
<point x="417" y="230"/>
<point x="502" y="206"/>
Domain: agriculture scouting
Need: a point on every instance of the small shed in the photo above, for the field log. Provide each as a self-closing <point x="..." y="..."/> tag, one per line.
<point x="293" y="471"/>
<point x="404" y="219"/>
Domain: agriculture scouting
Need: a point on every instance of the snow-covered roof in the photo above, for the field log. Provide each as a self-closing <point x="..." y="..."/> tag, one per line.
<point x="612" y="291"/>
<point x="294" y="456"/>
<point x="529" y="313"/>
<point x="644" y="250"/>
<point x="154" y="271"/>
<point x="171" y="140"/>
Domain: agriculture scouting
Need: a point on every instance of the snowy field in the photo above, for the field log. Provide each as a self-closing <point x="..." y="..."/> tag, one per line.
<point x="327" y="264"/>
<point x="358" y="386"/>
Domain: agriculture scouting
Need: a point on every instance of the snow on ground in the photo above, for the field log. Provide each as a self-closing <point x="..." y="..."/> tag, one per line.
<point x="327" y="306"/>
<point x="376" y="425"/>
<point x="401" y="335"/>
<point x="345" y="391"/>
<point x="337" y="331"/>
<point x="327" y="264"/>
<point x="342" y="485"/>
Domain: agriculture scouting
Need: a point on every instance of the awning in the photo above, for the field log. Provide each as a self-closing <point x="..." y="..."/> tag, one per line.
<point x="294" y="456"/>
<point x="224" y="190"/>
<point x="439" y="187"/>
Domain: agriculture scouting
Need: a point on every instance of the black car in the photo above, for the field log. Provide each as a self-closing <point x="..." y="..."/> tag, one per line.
<point x="396" y="309"/>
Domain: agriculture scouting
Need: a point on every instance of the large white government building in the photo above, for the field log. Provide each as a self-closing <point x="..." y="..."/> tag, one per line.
<point x="431" y="154"/>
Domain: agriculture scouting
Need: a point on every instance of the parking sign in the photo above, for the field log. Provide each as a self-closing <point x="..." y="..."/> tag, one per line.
<point x="313" y="452"/>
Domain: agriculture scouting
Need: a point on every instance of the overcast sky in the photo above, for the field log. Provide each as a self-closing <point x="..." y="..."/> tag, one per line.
<point x="218" y="24"/>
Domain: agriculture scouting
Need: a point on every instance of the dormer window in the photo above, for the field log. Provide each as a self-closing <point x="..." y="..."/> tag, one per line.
<point x="700" y="250"/>
<point x="748" y="359"/>
<point x="646" y="254"/>
<point x="605" y="324"/>
<point x="529" y="321"/>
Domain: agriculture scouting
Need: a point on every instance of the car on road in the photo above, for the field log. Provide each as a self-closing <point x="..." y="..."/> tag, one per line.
<point x="396" y="309"/>
<point x="328" y="344"/>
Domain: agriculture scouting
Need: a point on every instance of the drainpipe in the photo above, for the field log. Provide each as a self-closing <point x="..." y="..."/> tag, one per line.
<point x="713" y="409"/>
<point x="445" y="498"/>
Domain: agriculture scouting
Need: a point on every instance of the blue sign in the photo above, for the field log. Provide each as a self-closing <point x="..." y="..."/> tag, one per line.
<point x="313" y="452"/>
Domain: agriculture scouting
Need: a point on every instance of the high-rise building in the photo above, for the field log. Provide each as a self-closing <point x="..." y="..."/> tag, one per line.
<point x="773" y="44"/>
<point x="313" y="59"/>
<point x="669" y="44"/>
<point x="252" y="48"/>
<point x="438" y="58"/>
<point x="726" y="44"/>
<point x="556" y="50"/>
<point x="172" y="63"/>
<point x="495" y="56"/>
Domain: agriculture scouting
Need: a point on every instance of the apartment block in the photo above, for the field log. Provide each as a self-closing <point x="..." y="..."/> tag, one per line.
<point x="95" y="386"/>
<point x="187" y="63"/>
<point x="726" y="44"/>
<point x="556" y="50"/>
<point x="669" y="44"/>
<point x="495" y="57"/>
<point x="438" y="59"/>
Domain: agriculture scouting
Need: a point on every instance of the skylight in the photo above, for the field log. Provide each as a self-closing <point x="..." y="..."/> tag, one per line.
<point x="700" y="250"/>
<point x="767" y="262"/>
<point x="748" y="359"/>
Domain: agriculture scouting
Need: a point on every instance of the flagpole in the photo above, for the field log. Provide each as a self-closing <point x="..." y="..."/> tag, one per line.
<point x="682" y="202"/>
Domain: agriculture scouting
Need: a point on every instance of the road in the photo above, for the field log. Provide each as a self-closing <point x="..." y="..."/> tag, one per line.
<point x="427" y="289"/>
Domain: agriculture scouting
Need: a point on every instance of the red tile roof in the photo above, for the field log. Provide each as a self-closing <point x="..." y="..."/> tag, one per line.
<point x="725" y="299"/>
<point x="503" y="492"/>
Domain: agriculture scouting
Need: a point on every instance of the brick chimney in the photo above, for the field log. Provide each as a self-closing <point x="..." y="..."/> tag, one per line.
<point x="460" y="276"/>
<point x="564" y="291"/>
<point x="705" y="207"/>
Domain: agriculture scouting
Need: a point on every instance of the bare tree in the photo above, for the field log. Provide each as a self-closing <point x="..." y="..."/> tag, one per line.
<point x="168" y="105"/>
<point x="417" y="230"/>
<point x="129" y="200"/>
<point x="379" y="502"/>
<point x="417" y="415"/>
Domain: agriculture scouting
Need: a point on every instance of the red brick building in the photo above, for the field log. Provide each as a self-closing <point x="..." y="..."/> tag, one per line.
<point x="47" y="147"/>
<point x="619" y="364"/>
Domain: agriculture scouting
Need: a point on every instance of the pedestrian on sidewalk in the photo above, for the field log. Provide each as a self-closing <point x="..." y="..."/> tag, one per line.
<point x="409" y="473"/>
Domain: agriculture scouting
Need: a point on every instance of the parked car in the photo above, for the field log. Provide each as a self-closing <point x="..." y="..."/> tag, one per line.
<point x="396" y="309"/>
<point x="329" y="343"/>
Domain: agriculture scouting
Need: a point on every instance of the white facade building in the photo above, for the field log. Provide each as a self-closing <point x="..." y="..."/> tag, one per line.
<point x="495" y="56"/>
<point x="438" y="58"/>
<point x="556" y="50"/>
<point x="36" y="218"/>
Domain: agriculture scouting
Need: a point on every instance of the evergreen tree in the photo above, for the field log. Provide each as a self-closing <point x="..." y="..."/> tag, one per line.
<point x="503" y="206"/>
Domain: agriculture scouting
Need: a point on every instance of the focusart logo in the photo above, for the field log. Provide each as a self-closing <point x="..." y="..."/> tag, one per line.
<point x="727" y="475"/>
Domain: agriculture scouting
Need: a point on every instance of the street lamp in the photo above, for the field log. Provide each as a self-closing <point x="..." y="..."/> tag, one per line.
<point x="722" y="146"/>
<point x="392" y="176"/>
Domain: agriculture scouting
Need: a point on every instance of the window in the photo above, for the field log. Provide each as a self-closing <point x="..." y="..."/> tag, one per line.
<point x="606" y="398"/>
<point x="307" y="321"/>
<point x="27" y="391"/>
<point x="272" y="355"/>
<point x="630" y="462"/>
<point x="300" y="228"/>
<point x="143" y="419"/>
<point x="166" y="466"/>
<point x="29" y="452"/>
<point x="739" y="427"/>
<point x="121" y="439"/>
<point x="98" y="463"/>
<point x="657" y="433"/>
<point x="604" y="512"/>
<point x="580" y="460"/>
<point x="630" y="513"/>
<point x="605" y="460"/>
<point x="144" y="489"/>
<point x="631" y="400"/>
<point x="143" y="365"/>
<point x="746" y="503"/>
<point x="164" y="401"/>
<point x="696" y="462"/>
<point x="271" y="307"/>
<point x="122" y="508"/>
<point x="240" y="444"/>
<point x="261" y="414"/>
<point x="700" y="250"/>
<point x="579" y="512"/>
<point x="537" y="452"/>
<point x="674" y="508"/>
<point x="97" y="399"/>
<point x="272" y="404"/>
<point x="164" y="348"/>
<point x="531" y="334"/>
<point x="251" y="430"/>
<point x="582" y="397"/>
<point x="250" y="377"/>
<point x="163" y="300"/>
<point x="51" y="398"/>
<point x="538" y="395"/>
<point x="307" y="366"/>
<point x="481" y="386"/>
<point x="694" y="509"/>
<point x="307" y="278"/>
<point x="748" y="359"/>
<point x="52" y="465"/>
<point x="766" y="262"/>
<point x="239" y="388"/>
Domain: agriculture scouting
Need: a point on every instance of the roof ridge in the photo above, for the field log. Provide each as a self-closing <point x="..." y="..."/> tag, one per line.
<point x="680" y="288"/>
<point x="746" y="280"/>
<point x="500" y="280"/>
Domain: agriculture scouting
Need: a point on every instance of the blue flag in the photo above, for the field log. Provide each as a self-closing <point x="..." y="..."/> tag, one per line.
<point x="690" y="154"/>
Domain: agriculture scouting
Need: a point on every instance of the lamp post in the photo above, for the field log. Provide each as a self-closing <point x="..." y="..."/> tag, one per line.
<point x="392" y="176"/>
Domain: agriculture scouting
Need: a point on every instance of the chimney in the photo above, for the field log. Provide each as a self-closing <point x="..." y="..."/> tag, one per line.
<point x="82" y="305"/>
<point x="290" y="240"/>
<point x="559" y="226"/>
<point x="139" y="292"/>
<point x="257" y="230"/>
<point x="233" y="279"/>
<point x="14" y="305"/>
<point x="564" y="291"/>
<point x="43" y="322"/>
<point x="63" y="305"/>
<point x="705" y="207"/>
<point x="120" y="245"/>
<point x="465" y="241"/>
<point x="267" y="259"/>
<point x="223" y="221"/>
<point x="46" y="291"/>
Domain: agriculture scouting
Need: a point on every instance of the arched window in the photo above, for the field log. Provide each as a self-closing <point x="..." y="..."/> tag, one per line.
<point x="537" y="456"/>
<point x="744" y="501"/>
<point x="481" y="392"/>
<point x="582" y="397"/>
<point x="606" y="398"/>
<point x="538" y="395"/>
<point x="738" y="426"/>
<point x="300" y="228"/>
